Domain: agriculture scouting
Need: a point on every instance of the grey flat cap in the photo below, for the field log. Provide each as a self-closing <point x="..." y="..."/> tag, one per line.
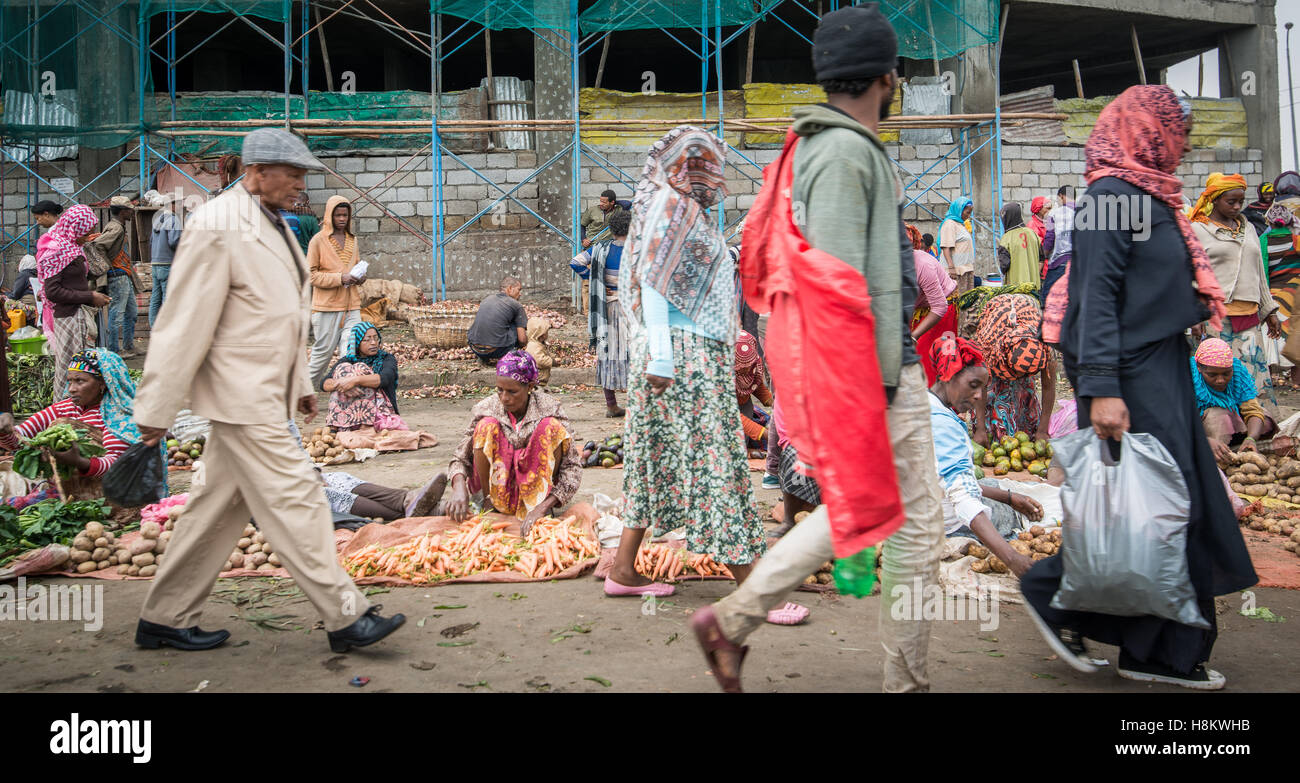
<point x="273" y="145"/>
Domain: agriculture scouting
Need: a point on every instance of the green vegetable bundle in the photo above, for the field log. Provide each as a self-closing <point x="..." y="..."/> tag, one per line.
<point x="28" y="461"/>
<point x="48" y="522"/>
<point x="31" y="382"/>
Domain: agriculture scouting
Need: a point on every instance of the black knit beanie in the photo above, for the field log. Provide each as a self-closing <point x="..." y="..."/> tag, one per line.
<point x="854" y="43"/>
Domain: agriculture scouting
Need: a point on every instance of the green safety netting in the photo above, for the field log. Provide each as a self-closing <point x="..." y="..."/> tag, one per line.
<point x="276" y="10"/>
<point x="937" y="29"/>
<point x="608" y="15"/>
<point x="510" y="14"/>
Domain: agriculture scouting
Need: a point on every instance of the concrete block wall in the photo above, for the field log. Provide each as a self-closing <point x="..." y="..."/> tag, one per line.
<point x="509" y="240"/>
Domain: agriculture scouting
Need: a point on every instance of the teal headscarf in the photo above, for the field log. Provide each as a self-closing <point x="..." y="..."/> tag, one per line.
<point x="375" y="362"/>
<point x="957" y="207"/>
<point x="117" y="408"/>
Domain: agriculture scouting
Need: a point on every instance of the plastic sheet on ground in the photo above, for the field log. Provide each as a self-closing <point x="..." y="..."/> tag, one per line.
<point x="395" y="440"/>
<point x="957" y="579"/>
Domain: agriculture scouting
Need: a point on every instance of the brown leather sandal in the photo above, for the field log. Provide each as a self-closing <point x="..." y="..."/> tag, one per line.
<point x="709" y="634"/>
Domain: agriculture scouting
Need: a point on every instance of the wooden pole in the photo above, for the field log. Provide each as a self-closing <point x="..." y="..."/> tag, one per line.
<point x="1078" y="79"/>
<point x="1232" y="72"/>
<point x="604" y="52"/>
<point x="749" y="55"/>
<point x="1137" y="53"/>
<point x="487" y="46"/>
<point x="934" y="42"/>
<point x="324" y="51"/>
<point x="1200" y="72"/>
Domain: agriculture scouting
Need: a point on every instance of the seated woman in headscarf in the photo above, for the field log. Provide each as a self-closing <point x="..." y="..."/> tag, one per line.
<point x="518" y="453"/>
<point x="1009" y="334"/>
<point x="100" y="395"/>
<point x="363" y="384"/>
<point x="750" y="384"/>
<point x="538" y="330"/>
<point x="1018" y="249"/>
<point x="962" y="378"/>
<point x="1227" y="399"/>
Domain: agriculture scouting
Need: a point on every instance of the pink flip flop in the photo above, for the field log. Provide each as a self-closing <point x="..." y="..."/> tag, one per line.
<point x="656" y="589"/>
<point x="790" y="614"/>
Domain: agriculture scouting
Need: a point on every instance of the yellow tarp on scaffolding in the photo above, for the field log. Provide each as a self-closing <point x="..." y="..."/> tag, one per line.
<point x="1218" y="122"/>
<point x="780" y="100"/>
<point x="596" y="104"/>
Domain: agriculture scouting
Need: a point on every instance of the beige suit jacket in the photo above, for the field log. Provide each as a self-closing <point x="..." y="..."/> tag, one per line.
<point x="231" y="337"/>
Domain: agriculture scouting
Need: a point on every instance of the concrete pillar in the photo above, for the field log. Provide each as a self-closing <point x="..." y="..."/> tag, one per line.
<point x="1253" y="77"/>
<point x="553" y="97"/>
<point x="977" y="93"/>
<point x="107" y="95"/>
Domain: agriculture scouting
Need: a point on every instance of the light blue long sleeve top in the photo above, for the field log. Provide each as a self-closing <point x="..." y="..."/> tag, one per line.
<point x="661" y="317"/>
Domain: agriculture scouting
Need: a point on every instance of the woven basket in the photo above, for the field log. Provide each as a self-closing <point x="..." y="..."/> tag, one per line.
<point x="442" y="331"/>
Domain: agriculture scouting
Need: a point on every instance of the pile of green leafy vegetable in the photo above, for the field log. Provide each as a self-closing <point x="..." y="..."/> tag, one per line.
<point x="31" y="382"/>
<point x="60" y="437"/>
<point x="48" y="522"/>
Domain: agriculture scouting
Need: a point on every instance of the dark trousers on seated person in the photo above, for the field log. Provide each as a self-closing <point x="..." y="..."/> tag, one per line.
<point x="490" y="353"/>
<point x="386" y="503"/>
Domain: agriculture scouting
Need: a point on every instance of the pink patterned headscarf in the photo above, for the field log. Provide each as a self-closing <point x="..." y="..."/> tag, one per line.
<point x="1214" y="352"/>
<point x="518" y="366"/>
<point x="61" y="247"/>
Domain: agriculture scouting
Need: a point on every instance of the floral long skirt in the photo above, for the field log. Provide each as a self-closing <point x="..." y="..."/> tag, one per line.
<point x="1013" y="406"/>
<point x="520" y="479"/>
<point x="686" y="463"/>
<point x="360" y="406"/>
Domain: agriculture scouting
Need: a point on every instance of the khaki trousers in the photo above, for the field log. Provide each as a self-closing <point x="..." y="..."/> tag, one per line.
<point x="253" y="471"/>
<point x="330" y="332"/>
<point x="911" y="555"/>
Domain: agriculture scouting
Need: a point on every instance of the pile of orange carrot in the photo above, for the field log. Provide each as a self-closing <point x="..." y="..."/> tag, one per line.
<point x="478" y="546"/>
<point x="659" y="561"/>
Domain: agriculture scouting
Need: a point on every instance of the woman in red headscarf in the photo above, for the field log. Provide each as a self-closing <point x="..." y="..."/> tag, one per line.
<point x="962" y="379"/>
<point x="750" y="383"/>
<point x="1039" y="208"/>
<point x="1130" y="299"/>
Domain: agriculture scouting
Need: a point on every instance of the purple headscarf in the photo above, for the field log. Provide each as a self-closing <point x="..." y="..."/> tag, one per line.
<point x="518" y="366"/>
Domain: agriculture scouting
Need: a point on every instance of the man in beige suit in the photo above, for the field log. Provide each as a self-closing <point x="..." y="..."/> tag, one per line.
<point x="231" y="338"/>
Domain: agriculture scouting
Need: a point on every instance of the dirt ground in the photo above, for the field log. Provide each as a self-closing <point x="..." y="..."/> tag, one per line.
<point x="567" y="636"/>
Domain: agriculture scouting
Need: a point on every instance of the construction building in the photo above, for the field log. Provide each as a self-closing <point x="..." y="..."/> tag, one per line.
<point x="471" y="134"/>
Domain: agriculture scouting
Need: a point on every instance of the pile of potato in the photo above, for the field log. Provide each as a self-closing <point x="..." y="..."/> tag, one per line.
<point x="324" y="447"/>
<point x="92" y="549"/>
<point x="1251" y="473"/>
<point x="1036" y="543"/>
<point x="253" y="552"/>
<point x="1277" y="521"/>
<point x="824" y="575"/>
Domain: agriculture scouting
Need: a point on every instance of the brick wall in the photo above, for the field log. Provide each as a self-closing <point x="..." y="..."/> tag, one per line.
<point x="509" y="240"/>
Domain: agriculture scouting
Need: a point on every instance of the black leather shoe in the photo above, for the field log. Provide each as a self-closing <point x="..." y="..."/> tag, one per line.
<point x="365" y="631"/>
<point x="152" y="636"/>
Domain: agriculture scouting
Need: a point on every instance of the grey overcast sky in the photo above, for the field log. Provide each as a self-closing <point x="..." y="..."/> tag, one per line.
<point x="1182" y="77"/>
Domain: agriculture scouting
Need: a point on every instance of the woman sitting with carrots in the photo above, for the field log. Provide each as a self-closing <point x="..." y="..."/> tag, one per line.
<point x="518" y="452"/>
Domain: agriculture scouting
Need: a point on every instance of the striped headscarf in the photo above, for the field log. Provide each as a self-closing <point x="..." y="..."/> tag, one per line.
<point x="673" y="245"/>
<point x="1217" y="184"/>
<point x="61" y="246"/>
<point x="359" y="331"/>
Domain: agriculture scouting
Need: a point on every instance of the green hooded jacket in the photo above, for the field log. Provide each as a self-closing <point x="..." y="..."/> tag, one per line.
<point x="848" y="203"/>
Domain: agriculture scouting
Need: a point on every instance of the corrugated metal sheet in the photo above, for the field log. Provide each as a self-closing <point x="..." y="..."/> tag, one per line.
<point x="596" y="104"/>
<point x="23" y="108"/>
<point x="925" y="95"/>
<point x="511" y="99"/>
<point x="779" y="100"/>
<point x="1039" y="99"/>
<point x="1219" y="122"/>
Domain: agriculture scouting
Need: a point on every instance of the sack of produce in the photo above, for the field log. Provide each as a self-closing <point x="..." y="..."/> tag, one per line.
<point x="1124" y="551"/>
<point x="137" y="477"/>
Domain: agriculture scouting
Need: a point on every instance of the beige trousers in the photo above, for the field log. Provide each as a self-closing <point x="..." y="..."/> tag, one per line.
<point x="255" y="471"/>
<point x="911" y="555"/>
<point x="331" y="332"/>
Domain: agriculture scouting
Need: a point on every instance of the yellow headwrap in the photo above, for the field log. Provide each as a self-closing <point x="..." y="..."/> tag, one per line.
<point x="1218" y="184"/>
